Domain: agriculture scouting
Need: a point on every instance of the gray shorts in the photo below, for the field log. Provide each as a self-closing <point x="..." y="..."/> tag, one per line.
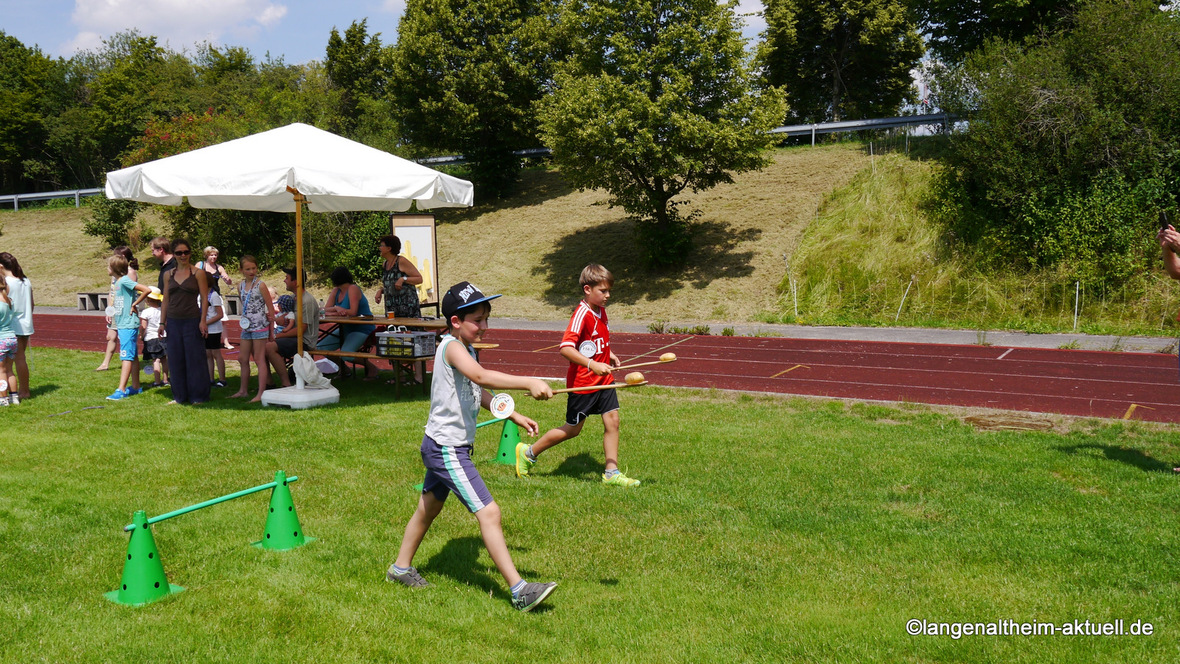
<point x="449" y="470"/>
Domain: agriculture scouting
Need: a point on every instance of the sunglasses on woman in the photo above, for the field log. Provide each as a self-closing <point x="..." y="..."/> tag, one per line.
<point x="181" y="253"/>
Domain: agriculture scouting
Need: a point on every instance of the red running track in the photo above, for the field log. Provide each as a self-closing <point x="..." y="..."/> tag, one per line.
<point x="1137" y="386"/>
<point x="1071" y="382"/>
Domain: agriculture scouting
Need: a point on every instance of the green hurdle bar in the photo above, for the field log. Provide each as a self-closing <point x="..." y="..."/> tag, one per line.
<point x="144" y="580"/>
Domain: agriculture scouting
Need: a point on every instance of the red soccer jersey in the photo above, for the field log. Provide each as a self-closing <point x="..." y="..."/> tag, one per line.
<point x="589" y="334"/>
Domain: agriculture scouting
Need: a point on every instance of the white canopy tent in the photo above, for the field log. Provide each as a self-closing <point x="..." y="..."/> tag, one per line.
<point x="279" y="170"/>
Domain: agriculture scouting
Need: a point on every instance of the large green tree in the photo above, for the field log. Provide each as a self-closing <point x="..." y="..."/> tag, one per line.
<point x="1073" y="143"/>
<point x="32" y="91"/>
<point x="958" y="27"/>
<point x="466" y="75"/>
<point x="657" y="99"/>
<point x="841" y="59"/>
<point x="358" y="66"/>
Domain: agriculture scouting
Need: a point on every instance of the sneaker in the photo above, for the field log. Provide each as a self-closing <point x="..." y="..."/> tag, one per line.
<point x="3" y="401"/>
<point x="410" y="578"/>
<point x="219" y="383"/>
<point x="531" y="595"/>
<point x="14" y="399"/>
<point x="132" y="391"/>
<point x="117" y="394"/>
<point x="523" y="463"/>
<point x="619" y="479"/>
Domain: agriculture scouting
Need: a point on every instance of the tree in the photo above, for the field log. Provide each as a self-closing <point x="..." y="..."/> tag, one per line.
<point x="466" y="76"/>
<point x="958" y="27"/>
<point x="32" y="90"/>
<point x="357" y="65"/>
<point x="840" y="59"/>
<point x="658" y="97"/>
<point x="1073" y="143"/>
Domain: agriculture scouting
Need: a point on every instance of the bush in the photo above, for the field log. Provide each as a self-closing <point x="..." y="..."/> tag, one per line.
<point x="269" y="236"/>
<point x="110" y="220"/>
<point x="1073" y="144"/>
<point x="348" y="240"/>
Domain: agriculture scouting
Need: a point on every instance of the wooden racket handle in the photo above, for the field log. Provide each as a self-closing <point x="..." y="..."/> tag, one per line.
<point x="595" y="388"/>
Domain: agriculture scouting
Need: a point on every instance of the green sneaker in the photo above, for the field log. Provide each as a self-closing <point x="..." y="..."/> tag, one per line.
<point x="523" y="463"/>
<point x="619" y="479"/>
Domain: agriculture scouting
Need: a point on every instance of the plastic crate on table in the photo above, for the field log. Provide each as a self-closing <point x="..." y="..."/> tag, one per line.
<point x="403" y="343"/>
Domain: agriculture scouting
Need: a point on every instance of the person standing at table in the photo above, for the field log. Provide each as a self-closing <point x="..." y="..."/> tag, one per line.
<point x="20" y="291"/>
<point x="347" y="300"/>
<point x="186" y="303"/>
<point x="399" y="280"/>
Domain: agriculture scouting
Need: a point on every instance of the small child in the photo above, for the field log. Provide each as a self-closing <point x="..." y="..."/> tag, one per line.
<point x="456" y="394"/>
<point x="213" y="316"/>
<point x="153" y="340"/>
<point x="586" y="344"/>
<point x="285" y="317"/>
<point x="126" y="323"/>
<point x="257" y="323"/>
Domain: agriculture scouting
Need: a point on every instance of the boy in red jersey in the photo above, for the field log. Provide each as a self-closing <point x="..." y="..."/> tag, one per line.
<point x="586" y="344"/>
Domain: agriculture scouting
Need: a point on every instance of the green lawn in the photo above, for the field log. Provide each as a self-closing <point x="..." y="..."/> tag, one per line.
<point x="766" y="529"/>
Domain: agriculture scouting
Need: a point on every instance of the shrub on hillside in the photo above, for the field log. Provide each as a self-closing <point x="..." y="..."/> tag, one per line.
<point x="110" y="220"/>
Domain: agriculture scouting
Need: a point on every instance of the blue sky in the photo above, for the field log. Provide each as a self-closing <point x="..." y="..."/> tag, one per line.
<point x="296" y="30"/>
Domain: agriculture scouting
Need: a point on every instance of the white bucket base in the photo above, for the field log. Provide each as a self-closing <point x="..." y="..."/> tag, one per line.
<point x="299" y="398"/>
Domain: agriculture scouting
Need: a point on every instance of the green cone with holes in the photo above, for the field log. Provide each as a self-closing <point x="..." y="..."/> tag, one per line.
<point x="143" y="573"/>
<point x="509" y="437"/>
<point x="283" y="531"/>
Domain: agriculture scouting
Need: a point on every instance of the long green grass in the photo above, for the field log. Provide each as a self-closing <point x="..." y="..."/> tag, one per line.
<point x="766" y="529"/>
<point x="874" y="257"/>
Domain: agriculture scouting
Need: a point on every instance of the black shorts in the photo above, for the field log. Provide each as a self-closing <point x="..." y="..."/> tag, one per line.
<point x="154" y="349"/>
<point x="581" y="406"/>
<point x="287" y="346"/>
<point x="213" y="341"/>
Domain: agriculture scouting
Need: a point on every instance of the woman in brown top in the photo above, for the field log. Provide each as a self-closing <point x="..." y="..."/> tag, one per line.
<point x="186" y="297"/>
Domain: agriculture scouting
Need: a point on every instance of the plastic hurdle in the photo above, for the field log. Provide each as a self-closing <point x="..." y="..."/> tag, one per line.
<point x="144" y="580"/>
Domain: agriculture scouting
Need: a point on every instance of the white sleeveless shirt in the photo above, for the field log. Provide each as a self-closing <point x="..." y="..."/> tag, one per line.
<point x="454" y="401"/>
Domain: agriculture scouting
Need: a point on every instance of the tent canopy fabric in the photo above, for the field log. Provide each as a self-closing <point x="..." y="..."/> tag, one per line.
<point x="253" y="173"/>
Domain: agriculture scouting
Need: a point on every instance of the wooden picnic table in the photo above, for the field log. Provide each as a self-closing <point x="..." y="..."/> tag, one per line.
<point x="428" y="324"/>
<point x="419" y="323"/>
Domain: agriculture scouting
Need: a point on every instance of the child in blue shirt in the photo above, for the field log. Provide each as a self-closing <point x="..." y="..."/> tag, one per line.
<point x="126" y="324"/>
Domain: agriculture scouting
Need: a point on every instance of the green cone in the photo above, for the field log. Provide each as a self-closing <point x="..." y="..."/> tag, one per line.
<point x="143" y="572"/>
<point x="283" y="531"/>
<point x="509" y="437"/>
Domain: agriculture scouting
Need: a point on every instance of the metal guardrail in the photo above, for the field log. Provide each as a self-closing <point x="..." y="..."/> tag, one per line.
<point x="76" y="194"/>
<point x="944" y="119"/>
<point x="812" y="130"/>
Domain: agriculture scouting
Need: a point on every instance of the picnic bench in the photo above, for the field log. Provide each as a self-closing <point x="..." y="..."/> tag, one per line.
<point x="395" y="361"/>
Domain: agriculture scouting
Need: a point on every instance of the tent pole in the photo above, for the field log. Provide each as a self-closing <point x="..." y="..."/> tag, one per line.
<point x="299" y="199"/>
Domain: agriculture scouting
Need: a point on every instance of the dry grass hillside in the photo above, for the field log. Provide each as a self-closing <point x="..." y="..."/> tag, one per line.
<point x="532" y="247"/>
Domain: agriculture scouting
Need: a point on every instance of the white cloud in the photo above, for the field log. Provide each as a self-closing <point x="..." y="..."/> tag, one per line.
<point x="395" y="7"/>
<point x="180" y="23"/>
<point x="750" y="12"/>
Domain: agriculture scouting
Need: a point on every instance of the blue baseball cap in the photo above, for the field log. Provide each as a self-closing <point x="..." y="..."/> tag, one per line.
<point x="460" y="296"/>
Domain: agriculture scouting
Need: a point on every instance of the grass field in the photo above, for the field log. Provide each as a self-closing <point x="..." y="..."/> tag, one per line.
<point x="767" y="529"/>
